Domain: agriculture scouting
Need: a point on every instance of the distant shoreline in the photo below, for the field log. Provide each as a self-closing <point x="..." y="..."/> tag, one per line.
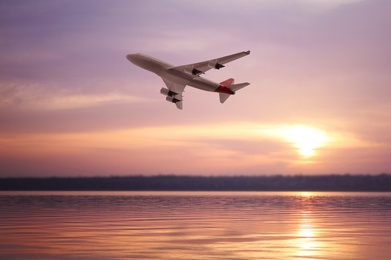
<point x="345" y="183"/>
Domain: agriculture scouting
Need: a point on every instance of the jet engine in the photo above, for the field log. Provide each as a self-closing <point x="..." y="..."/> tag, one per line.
<point x="171" y="95"/>
<point x="191" y="70"/>
<point x="215" y="65"/>
<point x="172" y="99"/>
<point x="167" y="92"/>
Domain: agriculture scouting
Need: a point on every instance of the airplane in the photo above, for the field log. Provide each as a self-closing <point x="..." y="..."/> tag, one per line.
<point x="177" y="77"/>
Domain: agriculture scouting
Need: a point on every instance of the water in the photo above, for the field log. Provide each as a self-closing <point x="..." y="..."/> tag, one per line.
<point x="194" y="225"/>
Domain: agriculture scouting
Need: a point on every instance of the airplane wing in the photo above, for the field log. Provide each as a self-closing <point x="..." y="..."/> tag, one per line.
<point x="174" y="92"/>
<point x="202" y="67"/>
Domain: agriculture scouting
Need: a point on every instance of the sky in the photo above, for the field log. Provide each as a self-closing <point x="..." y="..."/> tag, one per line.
<point x="71" y="104"/>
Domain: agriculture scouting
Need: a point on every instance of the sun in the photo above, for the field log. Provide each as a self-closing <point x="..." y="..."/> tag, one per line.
<point x="306" y="139"/>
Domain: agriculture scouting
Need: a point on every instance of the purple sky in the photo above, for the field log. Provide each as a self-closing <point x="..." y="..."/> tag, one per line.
<point x="319" y="99"/>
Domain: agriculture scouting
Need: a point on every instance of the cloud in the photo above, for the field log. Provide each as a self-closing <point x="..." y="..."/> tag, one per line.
<point x="43" y="97"/>
<point x="325" y="5"/>
<point x="213" y="148"/>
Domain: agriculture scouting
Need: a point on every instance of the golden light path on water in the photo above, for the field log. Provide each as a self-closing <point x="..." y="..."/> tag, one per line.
<point x="306" y="243"/>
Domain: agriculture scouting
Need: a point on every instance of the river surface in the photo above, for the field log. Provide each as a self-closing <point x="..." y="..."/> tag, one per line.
<point x="195" y="225"/>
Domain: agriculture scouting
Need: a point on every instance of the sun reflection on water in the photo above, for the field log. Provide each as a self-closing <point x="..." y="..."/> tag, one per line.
<point x="307" y="243"/>
<point x="306" y="194"/>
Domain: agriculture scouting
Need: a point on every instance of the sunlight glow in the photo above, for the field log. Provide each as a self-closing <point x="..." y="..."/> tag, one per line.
<point x="306" y="231"/>
<point x="306" y="139"/>
<point x="307" y="242"/>
<point x="305" y="194"/>
<point x="211" y="148"/>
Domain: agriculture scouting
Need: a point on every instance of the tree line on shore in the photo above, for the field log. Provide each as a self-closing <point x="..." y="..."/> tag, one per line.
<point x="347" y="182"/>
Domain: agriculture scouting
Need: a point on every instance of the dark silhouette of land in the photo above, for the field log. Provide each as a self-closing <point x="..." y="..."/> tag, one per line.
<point x="346" y="182"/>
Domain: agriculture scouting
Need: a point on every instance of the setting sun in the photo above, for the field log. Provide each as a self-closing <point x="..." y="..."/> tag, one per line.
<point x="306" y="139"/>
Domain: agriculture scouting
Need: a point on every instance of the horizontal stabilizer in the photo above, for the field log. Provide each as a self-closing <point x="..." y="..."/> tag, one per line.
<point x="223" y="97"/>
<point x="236" y="87"/>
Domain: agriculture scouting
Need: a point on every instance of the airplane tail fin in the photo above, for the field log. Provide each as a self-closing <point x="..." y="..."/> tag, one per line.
<point x="227" y="88"/>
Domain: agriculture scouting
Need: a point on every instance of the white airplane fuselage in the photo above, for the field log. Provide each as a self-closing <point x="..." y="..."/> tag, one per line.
<point x="176" y="78"/>
<point x="162" y="69"/>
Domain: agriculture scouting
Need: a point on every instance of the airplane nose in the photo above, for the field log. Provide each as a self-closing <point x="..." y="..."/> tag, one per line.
<point x="130" y="57"/>
<point x="138" y="59"/>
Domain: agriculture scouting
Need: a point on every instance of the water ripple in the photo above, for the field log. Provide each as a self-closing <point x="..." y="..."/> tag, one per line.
<point x="191" y="225"/>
